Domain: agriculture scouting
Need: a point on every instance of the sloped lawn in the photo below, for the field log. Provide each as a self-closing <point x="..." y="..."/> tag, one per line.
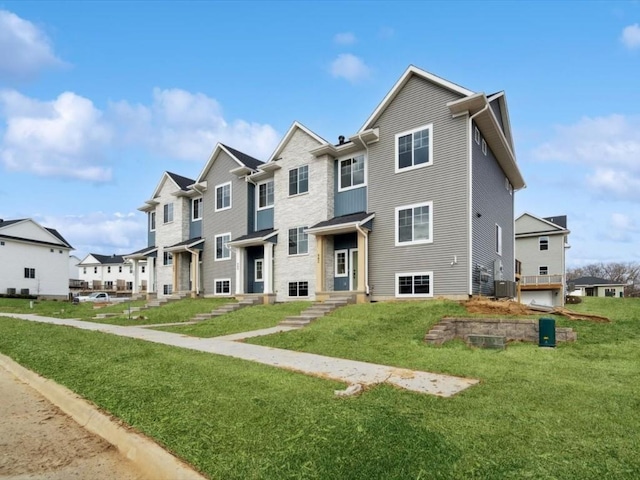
<point x="564" y="413"/>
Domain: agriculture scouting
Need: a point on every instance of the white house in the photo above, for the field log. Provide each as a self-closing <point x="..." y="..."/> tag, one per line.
<point x="34" y="260"/>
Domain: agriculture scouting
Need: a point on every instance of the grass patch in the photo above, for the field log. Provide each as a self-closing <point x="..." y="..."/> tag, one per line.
<point x="243" y="320"/>
<point x="568" y="412"/>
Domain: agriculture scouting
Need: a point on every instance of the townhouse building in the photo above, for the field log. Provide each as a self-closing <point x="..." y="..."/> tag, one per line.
<point x="112" y="273"/>
<point x="419" y="202"/>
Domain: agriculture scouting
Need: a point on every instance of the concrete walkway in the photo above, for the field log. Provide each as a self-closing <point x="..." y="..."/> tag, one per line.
<point x="343" y="370"/>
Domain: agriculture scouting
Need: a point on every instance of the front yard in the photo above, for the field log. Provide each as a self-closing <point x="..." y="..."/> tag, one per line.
<point x="569" y="412"/>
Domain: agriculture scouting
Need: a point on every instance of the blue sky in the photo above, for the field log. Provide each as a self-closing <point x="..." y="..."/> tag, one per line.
<point x="97" y="99"/>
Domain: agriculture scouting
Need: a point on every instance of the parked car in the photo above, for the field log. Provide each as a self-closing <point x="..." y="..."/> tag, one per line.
<point x="94" y="297"/>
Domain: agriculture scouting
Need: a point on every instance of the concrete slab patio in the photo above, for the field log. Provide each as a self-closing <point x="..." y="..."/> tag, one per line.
<point x="343" y="370"/>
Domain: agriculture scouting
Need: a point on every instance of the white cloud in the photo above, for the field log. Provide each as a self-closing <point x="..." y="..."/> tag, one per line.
<point x="346" y="38"/>
<point x="608" y="148"/>
<point x="187" y="126"/>
<point x="631" y="36"/>
<point x="30" y="49"/>
<point x="349" y="67"/>
<point x="65" y="137"/>
<point x="99" y="232"/>
<point x="621" y="228"/>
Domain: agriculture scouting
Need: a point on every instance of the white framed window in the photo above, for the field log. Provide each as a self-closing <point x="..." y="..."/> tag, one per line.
<point x="414" y="224"/>
<point x="223" y="251"/>
<point x="222" y="286"/>
<point x="265" y="195"/>
<point x="476" y="135"/>
<point x="120" y="269"/>
<point x="168" y="213"/>
<point x="543" y="270"/>
<point x="108" y="269"/>
<point x="95" y="269"/>
<point x="84" y="270"/>
<point x="414" y="284"/>
<point x="167" y="289"/>
<point x="130" y="269"/>
<point x="543" y="243"/>
<point x="152" y="221"/>
<point x="299" y="180"/>
<point x="259" y="270"/>
<point x="142" y="269"/>
<point x="484" y="146"/>
<point x="341" y="263"/>
<point x="298" y="241"/>
<point x="498" y="239"/>
<point x="167" y="258"/>
<point x="108" y="284"/>
<point x="29" y="273"/>
<point x="298" y="289"/>
<point x="352" y="173"/>
<point x="223" y="196"/>
<point x="2" y="244"/>
<point x="414" y="148"/>
<point x="196" y="209"/>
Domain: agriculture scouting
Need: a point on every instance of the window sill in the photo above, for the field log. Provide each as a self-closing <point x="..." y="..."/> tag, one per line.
<point x="408" y="244"/>
<point x="412" y="167"/>
<point x="346" y="189"/>
<point x="298" y="194"/>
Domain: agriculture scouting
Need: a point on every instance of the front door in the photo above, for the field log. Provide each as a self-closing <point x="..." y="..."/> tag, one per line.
<point x="346" y="269"/>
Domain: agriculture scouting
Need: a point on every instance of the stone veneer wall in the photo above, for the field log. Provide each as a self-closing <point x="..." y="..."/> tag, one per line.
<point x="522" y="330"/>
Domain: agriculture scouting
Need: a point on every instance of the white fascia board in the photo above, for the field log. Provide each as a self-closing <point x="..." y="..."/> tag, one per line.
<point x="289" y="134"/>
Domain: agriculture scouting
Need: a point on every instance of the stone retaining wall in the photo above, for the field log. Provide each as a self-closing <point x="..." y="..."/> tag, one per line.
<point x="513" y="330"/>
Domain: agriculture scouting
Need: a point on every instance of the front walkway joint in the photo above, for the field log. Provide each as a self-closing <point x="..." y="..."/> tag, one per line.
<point x="351" y="372"/>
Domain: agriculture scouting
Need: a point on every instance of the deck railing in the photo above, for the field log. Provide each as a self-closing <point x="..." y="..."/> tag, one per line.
<point x="541" y="280"/>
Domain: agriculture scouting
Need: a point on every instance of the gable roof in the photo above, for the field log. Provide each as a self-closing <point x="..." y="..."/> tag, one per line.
<point x="547" y="227"/>
<point x="108" y="259"/>
<point x="287" y="136"/>
<point x="242" y="159"/>
<point x="180" y="181"/>
<point x="592" y="281"/>
<point x="61" y="241"/>
<point x="411" y="71"/>
<point x="501" y="99"/>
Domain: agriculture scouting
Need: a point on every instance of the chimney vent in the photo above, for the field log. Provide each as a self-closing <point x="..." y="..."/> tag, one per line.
<point x="341" y="140"/>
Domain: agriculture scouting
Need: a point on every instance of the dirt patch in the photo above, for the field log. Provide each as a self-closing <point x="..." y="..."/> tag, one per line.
<point x="38" y="441"/>
<point x="509" y="307"/>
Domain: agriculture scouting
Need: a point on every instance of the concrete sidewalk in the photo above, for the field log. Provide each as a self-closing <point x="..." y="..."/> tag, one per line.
<point x="343" y="370"/>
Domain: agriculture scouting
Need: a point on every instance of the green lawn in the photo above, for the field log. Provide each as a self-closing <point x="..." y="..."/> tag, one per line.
<point x="564" y="413"/>
<point x="243" y="320"/>
<point x="176" y="311"/>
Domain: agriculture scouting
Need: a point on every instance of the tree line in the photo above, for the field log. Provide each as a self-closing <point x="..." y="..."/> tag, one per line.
<point x="627" y="273"/>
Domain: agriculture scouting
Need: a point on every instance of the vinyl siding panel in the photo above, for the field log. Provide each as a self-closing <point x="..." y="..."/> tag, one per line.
<point x="495" y="205"/>
<point x="445" y="183"/>
<point x="233" y="220"/>
<point x="264" y="219"/>
<point x="349" y="201"/>
<point x="195" y="229"/>
<point x="497" y="111"/>
<point x="151" y="239"/>
<point x="529" y="253"/>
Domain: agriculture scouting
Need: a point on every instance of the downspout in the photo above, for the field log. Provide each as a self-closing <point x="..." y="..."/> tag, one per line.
<point x="483" y="109"/>
<point x="366" y="234"/>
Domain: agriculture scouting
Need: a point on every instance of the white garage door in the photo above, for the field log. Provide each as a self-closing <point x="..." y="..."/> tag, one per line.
<point x="539" y="297"/>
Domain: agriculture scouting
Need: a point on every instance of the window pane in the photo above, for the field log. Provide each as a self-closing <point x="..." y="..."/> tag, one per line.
<point x="262" y="195"/>
<point x="303" y="241"/>
<point x="421" y="284"/>
<point x="293" y="181"/>
<point x="421" y="147"/>
<point x="303" y="289"/>
<point x="405" y="225"/>
<point x="358" y="170"/>
<point x="421" y="223"/>
<point x="341" y="263"/>
<point x="270" y="193"/>
<point x="293" y="289"/>
<point x="293" y="241"/>
<point x="303" y="179"/>
<point x="258" y="269"/>
<point x="405" y="285"/>
<point x="345" y="173"/>
<point x="404" y="151"/>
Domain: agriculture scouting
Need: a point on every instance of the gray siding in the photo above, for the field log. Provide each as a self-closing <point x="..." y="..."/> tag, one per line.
<point x="497" y="111"/>
<point x="264" y="219"/>
<point x="350" y="201"/>
<point x="493" y="202"/>
<point x="233" y="220"/>
<point x="445" y="183"/>
<point x="151" y="238"/>
<point x="251" y="208"/>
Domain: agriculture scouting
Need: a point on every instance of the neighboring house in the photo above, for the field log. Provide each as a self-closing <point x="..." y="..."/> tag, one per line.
<point x="417" y="203"/>
<point x="33" y="259"/>
<point x="541" y="244"/>
<point x="74" y="271"/>
<point x="596" y="287"/>
<point x="111" y="273"/>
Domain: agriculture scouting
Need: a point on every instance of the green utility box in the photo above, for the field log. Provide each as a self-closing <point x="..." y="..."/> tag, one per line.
<point x="547" y="332"/>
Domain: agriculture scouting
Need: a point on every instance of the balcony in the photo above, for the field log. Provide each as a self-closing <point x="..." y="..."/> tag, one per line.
<point x="541" y="282"/>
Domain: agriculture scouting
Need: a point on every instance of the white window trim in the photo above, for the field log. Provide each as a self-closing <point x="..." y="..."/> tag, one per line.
<point x="215" y="248"/>
<point x="308" y="185"/>
<point x="215" y="200"/>
<point x="194" y="219"/>
<point x="498" y="234"/>
<point x="540" y="267"/>
<point x="422" y="165"/>
<point x="414" y="242"/>
<point x="476" y="135"/>
<point x="215" y="284"/>
<point x="540" y="244"/>
<point x="255" y="270"/>
<point x="346" y="263"/>
<point x="352" y="187"/>
<point x="297" y="254"/>
<point x="414" y="295"/>
<point x="484" y="147"/>
<point x="258" y="207"/>
<point x="153" y="214"/>
<point x="298" y="289"/>
<point x="164" y="217"/>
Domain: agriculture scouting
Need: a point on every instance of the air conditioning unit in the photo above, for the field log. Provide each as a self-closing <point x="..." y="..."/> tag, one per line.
<point x="504" y="289"/>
